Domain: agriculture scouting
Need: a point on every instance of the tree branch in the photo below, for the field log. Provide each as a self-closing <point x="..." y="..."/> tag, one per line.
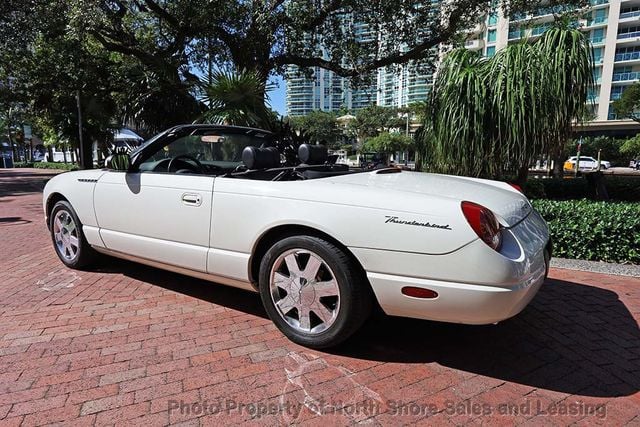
<point x="162" y="13"/>
<point x="417" y="52"/>
<point x="319" y="19"/>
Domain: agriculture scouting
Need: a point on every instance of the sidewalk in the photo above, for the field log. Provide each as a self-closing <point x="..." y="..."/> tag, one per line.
<point x="128" y="344"/>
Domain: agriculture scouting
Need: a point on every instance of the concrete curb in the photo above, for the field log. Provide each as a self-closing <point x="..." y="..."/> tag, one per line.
<point x="631" y="270"/>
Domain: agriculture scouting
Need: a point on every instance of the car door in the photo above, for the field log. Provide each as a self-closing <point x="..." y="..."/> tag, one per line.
<point x="156" y="214"/>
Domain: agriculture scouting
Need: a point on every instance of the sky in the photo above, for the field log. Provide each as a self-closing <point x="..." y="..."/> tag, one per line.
<point x="278" y="95"/>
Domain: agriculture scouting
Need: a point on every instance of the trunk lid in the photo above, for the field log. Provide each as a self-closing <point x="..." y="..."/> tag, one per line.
<point x="509" y="205"/>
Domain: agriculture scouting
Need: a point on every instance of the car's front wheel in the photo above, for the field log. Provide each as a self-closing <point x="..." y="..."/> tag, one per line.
<point x="68" y="238"/>
<point x="313" y="291"/>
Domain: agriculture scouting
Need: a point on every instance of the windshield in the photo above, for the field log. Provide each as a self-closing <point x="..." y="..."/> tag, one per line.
<point x="213" y="149"/>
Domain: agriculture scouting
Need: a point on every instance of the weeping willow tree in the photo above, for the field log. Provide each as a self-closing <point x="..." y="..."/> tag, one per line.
<point x="494" y="117"/>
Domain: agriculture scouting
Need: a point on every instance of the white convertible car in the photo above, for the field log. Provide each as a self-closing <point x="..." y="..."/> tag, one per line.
<point x="321" y="243"/>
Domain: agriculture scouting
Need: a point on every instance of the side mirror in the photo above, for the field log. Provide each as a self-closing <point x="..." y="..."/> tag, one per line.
<point x="118" y="162"/>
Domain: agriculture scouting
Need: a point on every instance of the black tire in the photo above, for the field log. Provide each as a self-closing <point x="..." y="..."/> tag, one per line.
<point x="355" y="295"/>
<point x="85" y="254"/>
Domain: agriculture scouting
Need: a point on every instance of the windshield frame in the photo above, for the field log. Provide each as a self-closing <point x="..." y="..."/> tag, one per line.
<point x="156" y="143"/>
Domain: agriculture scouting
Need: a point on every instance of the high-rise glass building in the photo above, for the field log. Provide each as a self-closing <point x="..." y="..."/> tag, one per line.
<point x="613" y="26"/>
<point x="324" y="90"/>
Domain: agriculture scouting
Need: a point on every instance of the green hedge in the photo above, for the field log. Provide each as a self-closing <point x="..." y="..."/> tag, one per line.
<point x="47" y="165"/>
<point x="619" y="188"/>
<point x="596" y="231"/>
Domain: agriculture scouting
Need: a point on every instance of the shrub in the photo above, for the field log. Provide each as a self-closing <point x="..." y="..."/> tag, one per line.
<point x="623" y="188"/>
<point x="23" y="165"/>
<point x="596" y="231"/>
<point x="47" y="165"/>
<point x="619" y="188"/>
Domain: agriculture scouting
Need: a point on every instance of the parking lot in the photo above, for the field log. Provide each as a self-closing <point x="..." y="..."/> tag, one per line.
<point x="129" y="344"/>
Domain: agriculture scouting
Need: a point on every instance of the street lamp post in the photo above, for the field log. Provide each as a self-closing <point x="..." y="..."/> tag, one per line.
<point x="406" y="152"/>
<point x="86" y="157"/>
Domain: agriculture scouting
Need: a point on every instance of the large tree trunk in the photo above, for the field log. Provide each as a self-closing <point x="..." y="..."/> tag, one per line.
<point x="558" y="161"/>
<point x="523" y="174"/>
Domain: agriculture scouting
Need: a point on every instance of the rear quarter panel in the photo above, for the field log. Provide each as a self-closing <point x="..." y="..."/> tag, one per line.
<point x="356" y="216"/>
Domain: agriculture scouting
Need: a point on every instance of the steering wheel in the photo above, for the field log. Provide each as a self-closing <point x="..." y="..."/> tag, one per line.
<point x="195" y="166"/>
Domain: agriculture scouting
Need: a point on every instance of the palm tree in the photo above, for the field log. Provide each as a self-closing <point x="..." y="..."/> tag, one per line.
<point x="150" y="104"/>
<point x="237" y="98"/>
<point x="493" y="117"/>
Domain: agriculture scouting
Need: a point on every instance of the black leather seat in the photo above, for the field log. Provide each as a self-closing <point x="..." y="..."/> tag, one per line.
<point x="313" y="154"/>
<point x="260" y="158"/>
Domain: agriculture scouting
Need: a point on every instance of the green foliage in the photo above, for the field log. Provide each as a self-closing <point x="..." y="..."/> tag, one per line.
<point x="631" y="147"/>
<point x="236" y="98"/>
<point x="628" y="105"/>
<point x="374" y="119"/>
<point x="388" y="143"/>
<point x="595" y="231"/>
<point x="619" y="188"/>
<point x="138" y="62"/>
<point x="47" y="165"/>
<point x="492" y="117"/>
<point x="320" y="126"/>
<point x="610" y="149"/>
<point x="288" y="140"/>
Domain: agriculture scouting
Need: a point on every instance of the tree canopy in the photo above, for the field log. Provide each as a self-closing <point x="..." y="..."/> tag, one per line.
<point x="141" y="61"/>
<point x="631" y="147"/>
<point x="319" y="126"/>
<point x="388" y="143"/>
<point x="628" y="106"/>
<point x="374" y="119"/>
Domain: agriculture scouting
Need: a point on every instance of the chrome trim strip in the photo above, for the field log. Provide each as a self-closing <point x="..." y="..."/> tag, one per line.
<point x="180" y="270"/>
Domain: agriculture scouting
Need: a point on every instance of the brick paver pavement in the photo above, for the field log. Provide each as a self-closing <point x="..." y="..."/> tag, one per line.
<point x="128" y="344"/>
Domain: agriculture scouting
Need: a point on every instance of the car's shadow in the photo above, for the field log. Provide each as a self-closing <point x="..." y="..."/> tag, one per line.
<point x="237" y="299"/>
<point x="572" y="338"/>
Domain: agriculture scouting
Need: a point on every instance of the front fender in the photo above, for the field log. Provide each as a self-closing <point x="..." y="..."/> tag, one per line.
<point x="76" y="187"/>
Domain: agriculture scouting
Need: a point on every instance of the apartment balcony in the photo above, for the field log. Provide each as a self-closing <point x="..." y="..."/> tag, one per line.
<point x="595" y="3"/>
<point x="479" y="28"/>
<point x="630" y="16"/>
<point x="539" y="30"/>
<point x="625" y="77"/>
<point x="475" y="44"/>
<point x="542" y="14"/>
<point x="597" y="40"/>
<point x="601" y="21"/>
<point x="517" y="34"/>
<point x="631" y="38"/>
<point x="628" y="57"/>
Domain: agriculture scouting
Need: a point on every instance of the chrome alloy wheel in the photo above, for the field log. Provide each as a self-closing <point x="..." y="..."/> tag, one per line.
<point x="65" y="234"/>
<point x="304" y="291"/>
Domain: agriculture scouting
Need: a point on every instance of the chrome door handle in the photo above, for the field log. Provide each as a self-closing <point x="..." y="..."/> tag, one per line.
<point x="192" y="199"/>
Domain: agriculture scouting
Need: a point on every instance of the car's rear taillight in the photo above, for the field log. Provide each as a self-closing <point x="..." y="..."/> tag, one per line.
<point x="516" y="186"/>
<point x="484" y="223"/>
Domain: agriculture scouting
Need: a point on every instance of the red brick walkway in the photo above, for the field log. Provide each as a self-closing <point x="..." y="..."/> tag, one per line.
<point x="128" y="344"/>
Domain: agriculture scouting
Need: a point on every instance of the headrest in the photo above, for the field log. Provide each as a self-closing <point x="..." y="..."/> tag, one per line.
<point x="313" y="154"/>
<point x="260" y="158"/>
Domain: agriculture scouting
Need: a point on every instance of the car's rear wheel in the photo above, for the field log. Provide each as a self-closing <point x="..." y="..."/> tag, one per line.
<point x="68" y="238"/>
<point x="313" y="291"/>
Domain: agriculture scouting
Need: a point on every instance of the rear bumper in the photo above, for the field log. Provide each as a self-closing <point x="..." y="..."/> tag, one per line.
<point x="475" y="284"/>
<point x="456" y="302"/>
